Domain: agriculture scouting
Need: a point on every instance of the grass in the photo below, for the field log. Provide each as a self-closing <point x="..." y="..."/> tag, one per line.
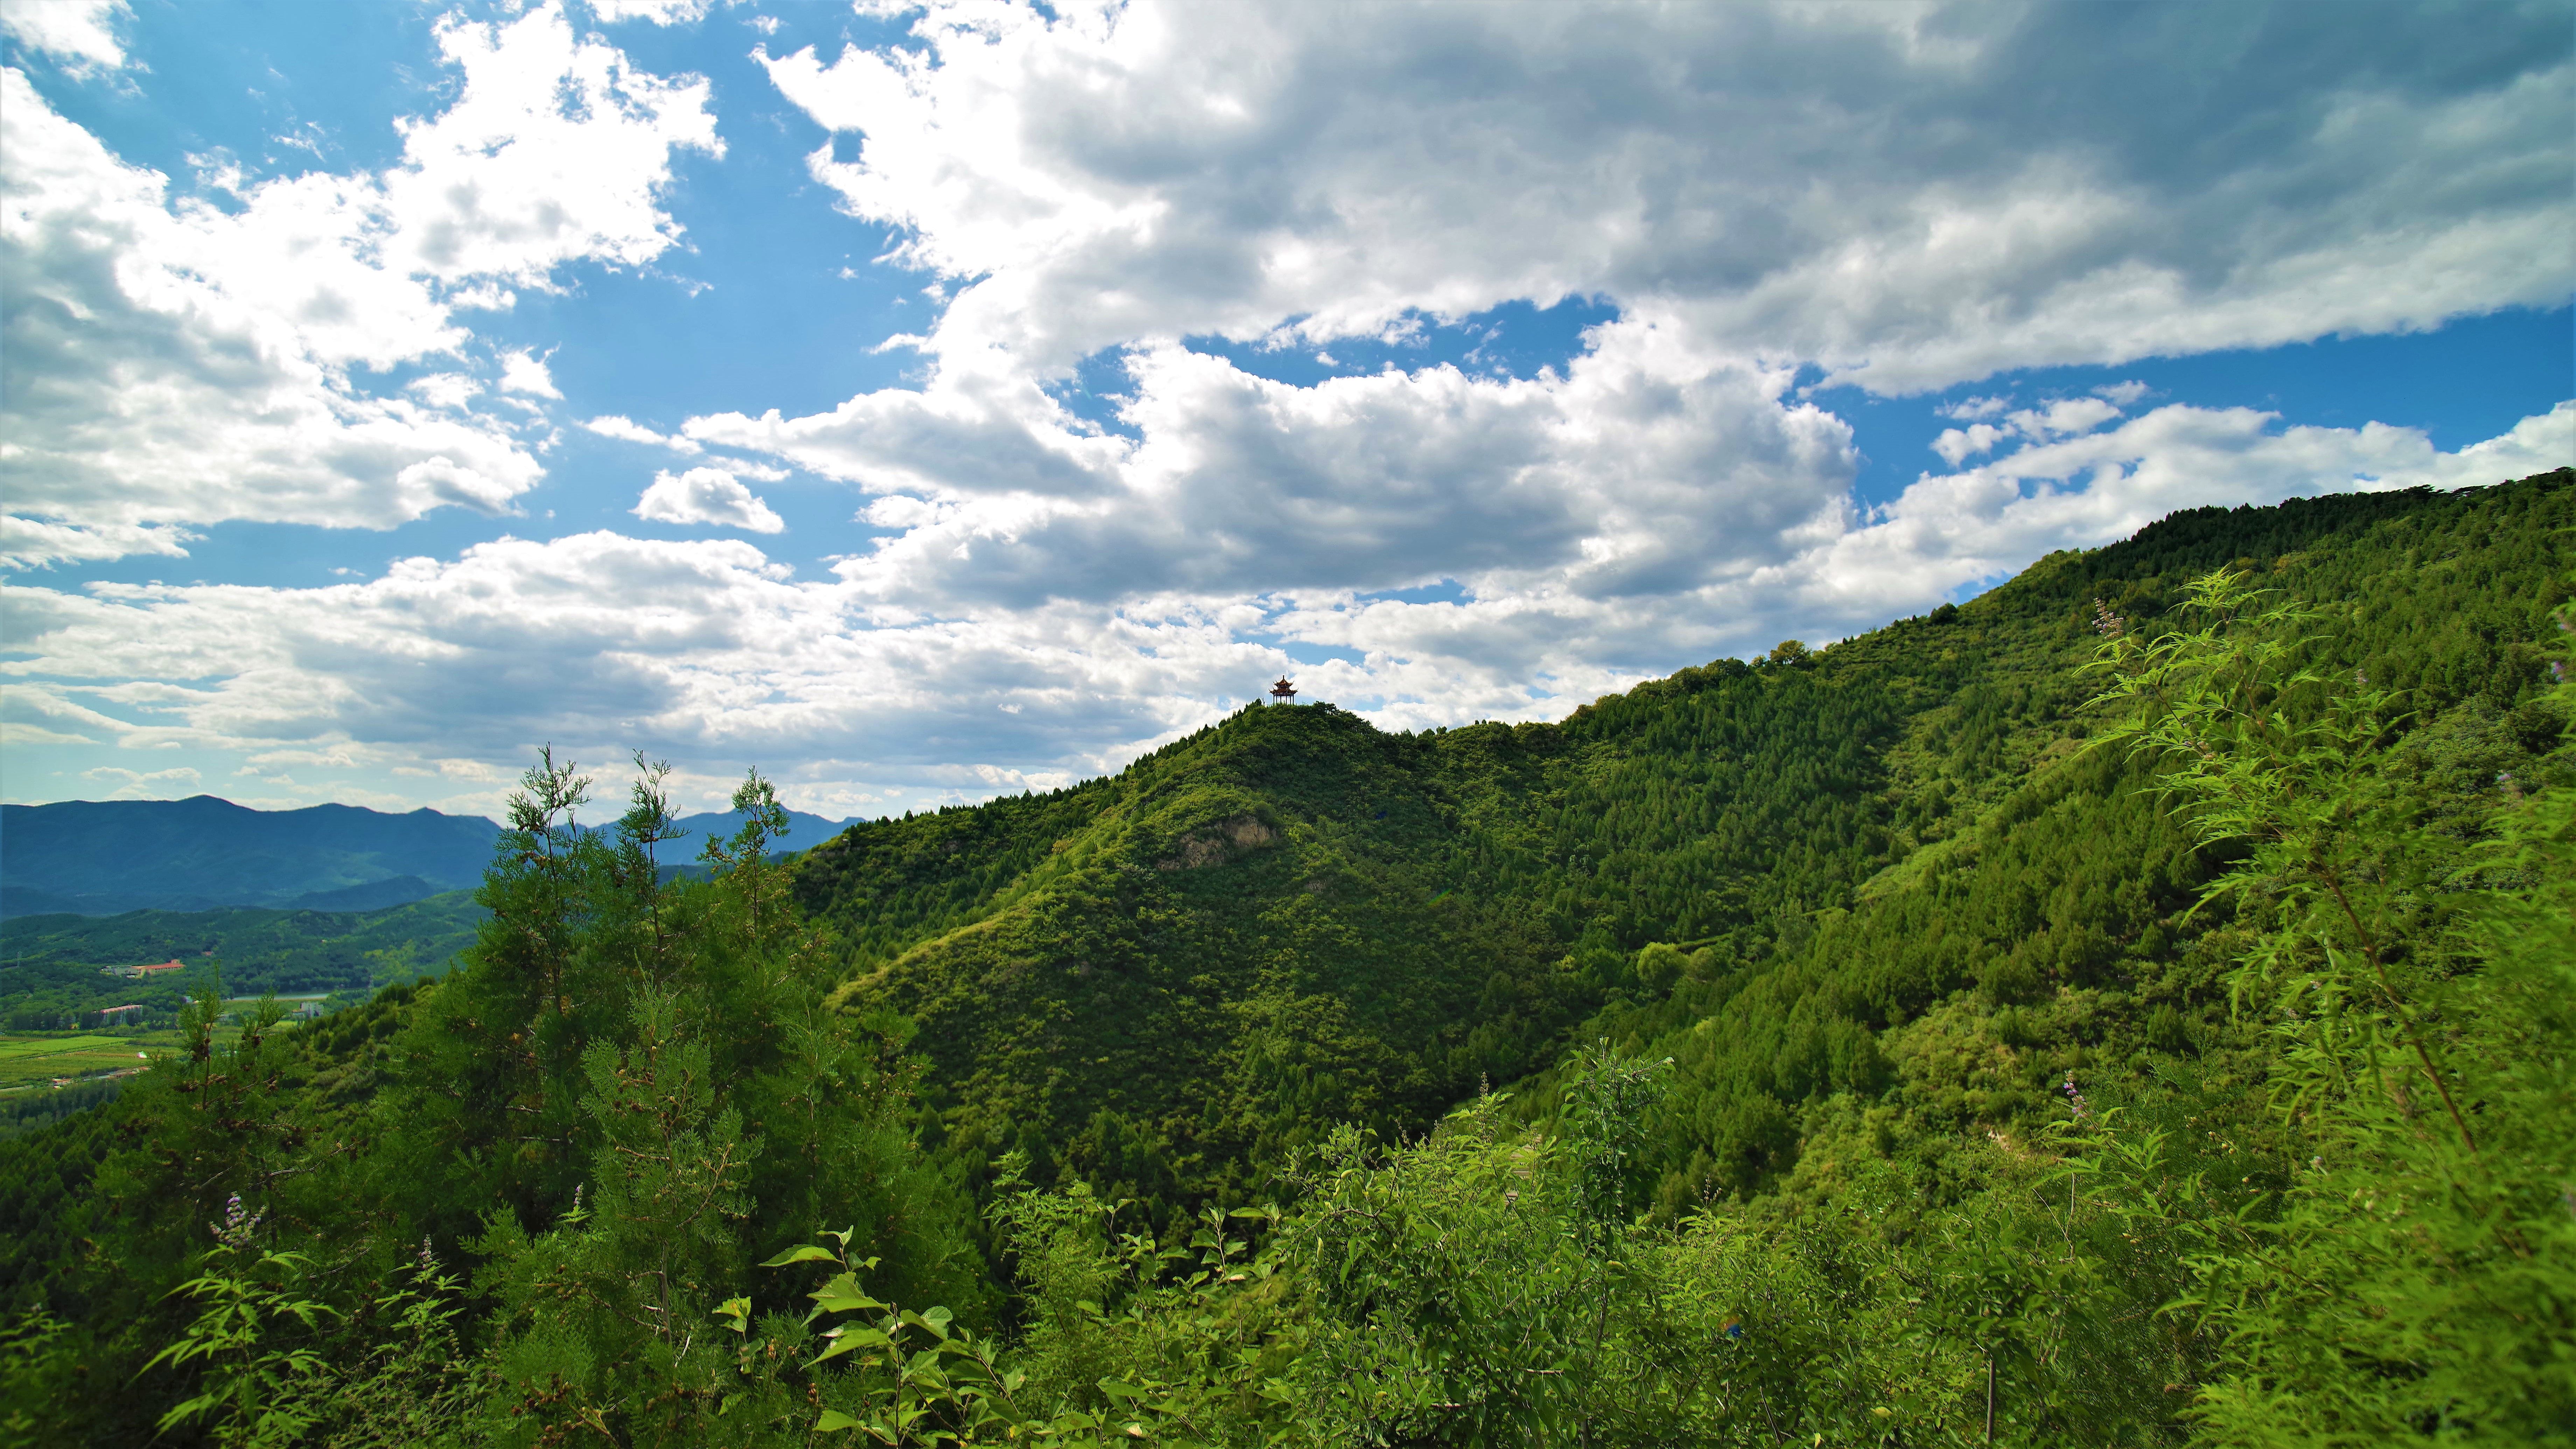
<point x="35" y="1058"/>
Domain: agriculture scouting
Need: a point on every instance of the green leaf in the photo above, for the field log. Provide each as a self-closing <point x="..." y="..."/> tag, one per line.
<point x="843" y="1295"/>
<point x="833" y="1421"/>
<point x="737" y="1314"/>
<point x="845" y="1340"/>
<point x="802" y="1253"/>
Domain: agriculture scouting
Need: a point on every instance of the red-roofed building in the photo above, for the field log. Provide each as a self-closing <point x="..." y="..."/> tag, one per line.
<point x="155" y="969"/>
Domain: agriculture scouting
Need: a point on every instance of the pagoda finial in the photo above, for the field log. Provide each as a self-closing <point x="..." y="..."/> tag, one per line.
<point x="1283" y="691"/>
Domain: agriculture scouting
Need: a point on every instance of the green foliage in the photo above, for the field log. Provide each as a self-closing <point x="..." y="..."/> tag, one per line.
<point x="2414" y="1271"/>
<point x="257" y="1376"/>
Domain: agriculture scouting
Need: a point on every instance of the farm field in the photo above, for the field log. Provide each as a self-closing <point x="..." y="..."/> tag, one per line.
<point x="35" y="1058"/>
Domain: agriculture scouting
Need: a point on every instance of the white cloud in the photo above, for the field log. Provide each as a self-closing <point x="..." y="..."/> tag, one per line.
<point x="36" y="714"/>
<point x="1975" y="409"/>
<point x="168" y="784"/>
<point x="1642" y="470"/>
<point x="657" y="12"/>
<point x="34" y="543"/>
<point x="2063" y="417"/>
<point x="703" y="651"/>
<point x="2082" y="492"/>
<point x="79" y="34"/>
<point x="999" y="435"/>
<point x="626" y="429"/>
<point x="706" y="495"/>
<point x="1911" y="196"/>
<point x="555" y="149"/>
<point x="179" y="363"/>
<point x="1957" y="445"/>
<point x="450" y="390"/>
<point x="526" y="372"/>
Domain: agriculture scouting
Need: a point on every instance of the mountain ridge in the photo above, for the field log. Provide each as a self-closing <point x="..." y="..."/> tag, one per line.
<point x="201" y="853"/>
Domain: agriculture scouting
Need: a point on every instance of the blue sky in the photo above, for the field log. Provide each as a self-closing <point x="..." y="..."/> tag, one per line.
<point x="925" y="403"/>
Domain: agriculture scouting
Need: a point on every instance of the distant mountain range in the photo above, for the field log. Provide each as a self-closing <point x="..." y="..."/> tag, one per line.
<point x="102" y="858"/>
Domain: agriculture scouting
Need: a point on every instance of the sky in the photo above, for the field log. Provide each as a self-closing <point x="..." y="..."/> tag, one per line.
<point x="919" y="404"/>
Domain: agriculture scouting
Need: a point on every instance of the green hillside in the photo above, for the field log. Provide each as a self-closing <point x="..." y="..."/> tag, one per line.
<point x="49" y="964"/>
<point x="1874" y="862"/>
<point x="2132" y="1007"/>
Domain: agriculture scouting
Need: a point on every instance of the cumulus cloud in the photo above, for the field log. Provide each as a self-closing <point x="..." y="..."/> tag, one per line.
<point x="1910" y="196"/>
<point x="1953" y="529"/>
<point x="979" y="435"/>
<point x="626" y="429"/>
<point x="526" y="372"/>
<point x="1643" y="469"/>
<point x="1957" y="445"/>
<point x="145" y="784"/>
<point x="2060" y="418"/>
<point x="705" y="651"/>
<point x="713" y="653"/>
<point x="80" y="35"/>
<point x="173" y="362"/>
<point x="707" y="495"/>
<point x="657" y="12"/>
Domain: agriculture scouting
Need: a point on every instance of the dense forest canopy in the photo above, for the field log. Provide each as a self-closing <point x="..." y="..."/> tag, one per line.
<point x="2133" y="1006"/>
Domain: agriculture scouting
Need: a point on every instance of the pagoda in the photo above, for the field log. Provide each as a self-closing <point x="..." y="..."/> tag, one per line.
<point x="1283" y="692"/>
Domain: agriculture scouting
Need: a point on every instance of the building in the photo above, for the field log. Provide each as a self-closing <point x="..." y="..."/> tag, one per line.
<point x="1283" y="692"/>
<point x="144" y="972"/>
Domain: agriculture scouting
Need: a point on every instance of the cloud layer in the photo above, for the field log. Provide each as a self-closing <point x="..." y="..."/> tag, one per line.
<point x="714" y="653"/>
<point x="1911" y="194"/>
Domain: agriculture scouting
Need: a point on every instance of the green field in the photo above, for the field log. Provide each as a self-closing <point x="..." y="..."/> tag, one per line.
<point x="30" y="1058"/>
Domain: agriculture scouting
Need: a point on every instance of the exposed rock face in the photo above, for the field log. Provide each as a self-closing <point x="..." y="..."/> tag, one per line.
<point x="1216" y="844"/>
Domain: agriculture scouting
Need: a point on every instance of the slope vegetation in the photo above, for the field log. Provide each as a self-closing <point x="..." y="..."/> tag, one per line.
<point x="1885" y="870"/>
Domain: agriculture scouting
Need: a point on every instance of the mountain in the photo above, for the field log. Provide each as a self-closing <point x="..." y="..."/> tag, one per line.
<point x="373" y="895"/>
<point x="804" y="832"/>
<point x="1824" y="873"/>
<point x="99" y="858"/>
<point x="2131" y="1007"/>
<point x="103" y="857"/>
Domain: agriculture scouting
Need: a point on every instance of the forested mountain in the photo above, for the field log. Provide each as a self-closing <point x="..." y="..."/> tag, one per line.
<point x="2132" y="1007"/>
<point x="100" y="858"/>
<point x="1771" y="872"/>
<point x="107" y="857"/>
